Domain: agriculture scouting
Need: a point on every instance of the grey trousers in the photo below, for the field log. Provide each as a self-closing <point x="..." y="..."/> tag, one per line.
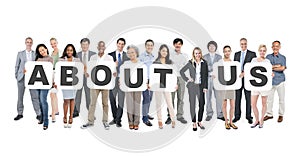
<point x="209" y="109"/>
<point x="133" y="101"/>
<point x="34" y="98"/>
<point x="180" y="94"/>
<point x="79" y="94"/>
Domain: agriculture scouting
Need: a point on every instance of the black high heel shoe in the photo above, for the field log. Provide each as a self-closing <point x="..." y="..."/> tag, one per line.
<point x="201" y="127"/>
<point x="194" y="127"/>
<point x="253" y="126"/>
<point x="45" y="127"/>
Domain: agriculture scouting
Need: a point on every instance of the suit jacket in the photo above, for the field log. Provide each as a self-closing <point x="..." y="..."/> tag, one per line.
<point x="191" y="66"/>
<point x="90" y="53"/>
<point x="249" y="56"/>
<point x="210" y="63"/>
<point x="124" y="58"/>
<point x="20" y="64"/>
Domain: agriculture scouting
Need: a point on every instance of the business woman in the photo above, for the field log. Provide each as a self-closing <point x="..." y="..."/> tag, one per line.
<point x="262" y="49"/>
<point x="228" y="94"/>
<point x="69" y="55"/>
<point x="133" y="99"/>
<point x="197" y="84"/>
<point x="164" y="58"/>
<point x="42" y="54"/>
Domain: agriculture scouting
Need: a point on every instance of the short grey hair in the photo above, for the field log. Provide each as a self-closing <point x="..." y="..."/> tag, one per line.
<point x="135" y="48"/>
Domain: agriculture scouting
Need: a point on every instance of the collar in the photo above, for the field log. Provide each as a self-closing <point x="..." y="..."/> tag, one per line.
<point x="117" y="52"/>
<point x="177" y="53"/>
<point x="276" y="55"/>
<point x="147" y="54"/>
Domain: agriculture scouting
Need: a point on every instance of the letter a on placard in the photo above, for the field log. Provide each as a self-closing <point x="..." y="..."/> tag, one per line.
<point x="38" y="75"/>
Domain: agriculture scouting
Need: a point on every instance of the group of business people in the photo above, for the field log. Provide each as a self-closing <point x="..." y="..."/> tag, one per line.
<point x="199" y="82"/>
<point x="278" y="62"/>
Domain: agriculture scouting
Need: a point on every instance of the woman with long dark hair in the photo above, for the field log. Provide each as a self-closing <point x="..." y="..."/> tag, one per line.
<point x="42" y="54"/>
<point x="164" y="58"/>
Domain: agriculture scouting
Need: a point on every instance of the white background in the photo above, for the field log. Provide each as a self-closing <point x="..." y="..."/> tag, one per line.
<point x="226" y="22"/>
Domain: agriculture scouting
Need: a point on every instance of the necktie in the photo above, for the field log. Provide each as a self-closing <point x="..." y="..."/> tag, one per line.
<point x="242" y="60"/>
<point x="84" y="58"/>
<point x="119" y="58"/>
<point x="119" y="62"/>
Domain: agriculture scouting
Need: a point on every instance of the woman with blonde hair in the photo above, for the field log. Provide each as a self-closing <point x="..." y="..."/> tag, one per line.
<point x="197" y="84"/>
<point x="262" y="50"/>
<point x="53" y="91"/>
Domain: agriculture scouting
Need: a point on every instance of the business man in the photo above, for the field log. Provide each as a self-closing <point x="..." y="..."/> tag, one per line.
<point x="244" y="56"/>
<point x="23" y="56"/>
<point x="119" y="57"/>
<point x="84" y="57"/>
<point x="211" y="58"/>
<point x="278" y="62"/>
<point x="179" y="60"/>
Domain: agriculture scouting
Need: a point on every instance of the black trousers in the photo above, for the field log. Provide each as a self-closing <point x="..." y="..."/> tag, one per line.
<point x="238" y="98"/>
<point x="117" y="109"/>
<point x="196" y="90"/>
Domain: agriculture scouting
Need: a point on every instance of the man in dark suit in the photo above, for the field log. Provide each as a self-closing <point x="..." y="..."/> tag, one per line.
<point x="119" y="56"/>
<point x="244" y="56"/>
<point x="84" y="57"/>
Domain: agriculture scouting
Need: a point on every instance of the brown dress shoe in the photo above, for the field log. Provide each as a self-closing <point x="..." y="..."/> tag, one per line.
<point x="268" y="117"/>
<point x="280" y="118"/>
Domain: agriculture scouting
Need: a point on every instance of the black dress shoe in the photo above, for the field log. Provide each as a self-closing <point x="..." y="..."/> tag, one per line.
<point x="168" y="121"/>
<point x="221" y="118"/>
<point x="112" y="122"/>
<point x="39" y="117"/>
<point x="235" y="120"/>
<point x="75" y="115"/>
<point x="250" y="121"/>
<point x="150" y="117"/>
<point x="208" y="118"/>
<point x="118" y="124"/>
<point x="182" y="120"/>
<point x="40" y="122"/>
<point x="18" y="117"/>
<point x="148" y="123"/>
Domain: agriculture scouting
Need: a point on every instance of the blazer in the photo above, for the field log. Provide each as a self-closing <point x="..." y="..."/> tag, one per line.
<point x="192" y="69"/>
<point x="20" y="64"/>
<point x="124" y="57"/>
<point x="248" y="58"/>
<point x="210" y="63"/>
<point x="90" y="53"/>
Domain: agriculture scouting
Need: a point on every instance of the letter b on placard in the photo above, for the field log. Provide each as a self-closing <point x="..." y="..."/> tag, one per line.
<point x="69" y="75"/>
<point x="258" y="76"/>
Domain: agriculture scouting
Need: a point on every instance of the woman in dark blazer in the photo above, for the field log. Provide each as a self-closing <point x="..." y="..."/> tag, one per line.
<point x="196" y="84"/>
